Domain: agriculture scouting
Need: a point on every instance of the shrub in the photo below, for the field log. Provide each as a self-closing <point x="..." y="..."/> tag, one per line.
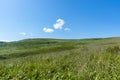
<point x="113" y="49"/>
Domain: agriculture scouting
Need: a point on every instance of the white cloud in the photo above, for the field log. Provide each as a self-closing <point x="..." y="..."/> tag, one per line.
<point x="67" y="29"/>
<point x="23" y="33"/>
<point x="59" y="24"/>
<point x="5" y="41"/>
<point x="48" y="30"/>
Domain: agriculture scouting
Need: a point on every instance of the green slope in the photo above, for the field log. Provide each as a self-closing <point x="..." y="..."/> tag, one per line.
<point x="33" y="46"/>
<point x="60" y="59"/>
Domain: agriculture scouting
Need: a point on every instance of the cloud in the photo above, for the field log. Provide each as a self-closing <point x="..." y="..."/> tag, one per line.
<point x="67" y="29"/>
<point x="23" y="33"/>
<point x="5" y="41"/>
<point x="59" y="24"/>
<point x="48" y="30"/>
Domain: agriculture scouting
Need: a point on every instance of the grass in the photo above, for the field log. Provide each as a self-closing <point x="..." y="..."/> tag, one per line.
<point x="53" y="59"/>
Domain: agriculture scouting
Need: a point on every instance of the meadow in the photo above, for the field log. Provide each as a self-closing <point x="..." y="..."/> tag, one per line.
<point x="60" y="59"/>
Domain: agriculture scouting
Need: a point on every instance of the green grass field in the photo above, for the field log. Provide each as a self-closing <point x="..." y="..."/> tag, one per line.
<point x="58" y="59"/>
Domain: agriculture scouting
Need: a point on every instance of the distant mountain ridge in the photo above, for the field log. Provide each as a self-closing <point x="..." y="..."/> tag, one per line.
<point x="2" y="43"/>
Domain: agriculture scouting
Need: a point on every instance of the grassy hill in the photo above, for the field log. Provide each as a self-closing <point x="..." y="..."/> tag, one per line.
<point x="60" y="59"/>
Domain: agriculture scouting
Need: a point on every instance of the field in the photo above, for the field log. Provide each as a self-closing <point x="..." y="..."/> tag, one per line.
<point x="59" y="59"/>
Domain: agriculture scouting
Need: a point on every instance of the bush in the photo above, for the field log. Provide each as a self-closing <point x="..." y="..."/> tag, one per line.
<point x="113" y="49"/>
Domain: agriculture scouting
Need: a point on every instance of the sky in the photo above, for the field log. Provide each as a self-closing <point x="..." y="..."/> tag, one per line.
<point x="62" y="19"/>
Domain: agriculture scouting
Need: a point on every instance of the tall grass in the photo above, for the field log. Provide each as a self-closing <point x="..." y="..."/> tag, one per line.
<point x="63" y="62"/>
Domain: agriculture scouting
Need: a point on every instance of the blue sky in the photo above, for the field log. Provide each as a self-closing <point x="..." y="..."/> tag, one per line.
<point x="66" y="19"/>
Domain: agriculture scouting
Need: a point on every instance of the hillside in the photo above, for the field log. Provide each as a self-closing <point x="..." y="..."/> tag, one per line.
<point x="60" y="59"/>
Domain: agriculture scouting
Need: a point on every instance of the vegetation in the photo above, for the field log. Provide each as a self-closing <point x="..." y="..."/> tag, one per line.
<point x="56" y="59"/>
